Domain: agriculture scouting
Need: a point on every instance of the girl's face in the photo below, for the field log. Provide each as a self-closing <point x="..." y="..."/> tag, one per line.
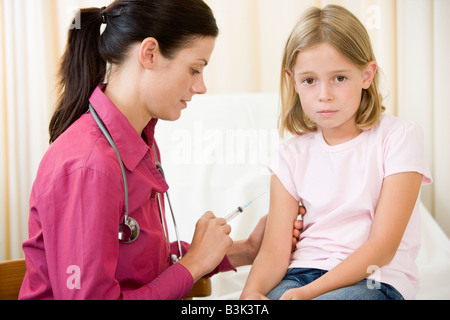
<point x="175" y="81"/>
<point x="330" y="88"/>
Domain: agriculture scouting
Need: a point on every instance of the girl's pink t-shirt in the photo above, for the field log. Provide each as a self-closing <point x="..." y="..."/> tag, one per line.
<point x="340" y="187"/>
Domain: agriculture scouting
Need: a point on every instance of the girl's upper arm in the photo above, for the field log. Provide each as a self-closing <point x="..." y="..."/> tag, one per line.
<point x="273" y="258"/>
<point x="398" y="197"/>
<point x="282" y="213"/>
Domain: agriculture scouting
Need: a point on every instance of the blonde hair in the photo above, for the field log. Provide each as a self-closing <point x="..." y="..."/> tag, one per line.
<point x="338" y="27"/>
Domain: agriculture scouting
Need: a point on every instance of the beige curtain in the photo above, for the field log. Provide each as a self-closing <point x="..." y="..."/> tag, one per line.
<point x="411" y="40"/>
<point x="32" y="38"/>
<point x="27" y="64"/>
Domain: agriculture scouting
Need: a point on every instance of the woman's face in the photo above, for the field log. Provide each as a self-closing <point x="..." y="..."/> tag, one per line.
<point x="175" y="81"/>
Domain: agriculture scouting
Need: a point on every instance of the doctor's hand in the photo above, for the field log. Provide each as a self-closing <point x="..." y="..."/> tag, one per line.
<point x="298" y="227"/>
<point x="209" y="245"/>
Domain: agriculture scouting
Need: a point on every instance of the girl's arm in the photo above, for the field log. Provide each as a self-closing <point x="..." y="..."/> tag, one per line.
<point x="397" y="200"/>
<point x="272" y="261"/>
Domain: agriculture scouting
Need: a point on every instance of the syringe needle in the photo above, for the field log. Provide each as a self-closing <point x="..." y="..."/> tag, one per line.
<point x="249" y="203"/>
<point x="233" y="214"/>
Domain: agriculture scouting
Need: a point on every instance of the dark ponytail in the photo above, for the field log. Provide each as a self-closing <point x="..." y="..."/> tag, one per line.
<point x="174" y="23"/>
<point x="82" y="69"/>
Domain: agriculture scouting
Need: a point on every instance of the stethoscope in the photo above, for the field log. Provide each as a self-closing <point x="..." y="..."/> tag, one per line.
<point x="129" y="230"/>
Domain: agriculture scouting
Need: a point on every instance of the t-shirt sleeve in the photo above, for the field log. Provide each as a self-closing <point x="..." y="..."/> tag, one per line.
<point x="283" y="166"/>
<point x="404" y="151"/>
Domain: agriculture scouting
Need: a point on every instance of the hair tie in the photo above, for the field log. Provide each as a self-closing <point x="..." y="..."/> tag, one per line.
<point x="103" y="15"/>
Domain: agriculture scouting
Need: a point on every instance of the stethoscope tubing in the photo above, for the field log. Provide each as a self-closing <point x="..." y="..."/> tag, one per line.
<point x="113" y="145"/>
<point x="180" y="251"/>
<point x="127" y="219"/>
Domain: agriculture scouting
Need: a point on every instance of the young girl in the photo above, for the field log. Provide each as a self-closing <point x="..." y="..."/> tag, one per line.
<point x="357" y="172"/>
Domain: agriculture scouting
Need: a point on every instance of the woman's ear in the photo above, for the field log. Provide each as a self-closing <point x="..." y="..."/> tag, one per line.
<point x="149" y="52"/>
<point x="369" y="74"/>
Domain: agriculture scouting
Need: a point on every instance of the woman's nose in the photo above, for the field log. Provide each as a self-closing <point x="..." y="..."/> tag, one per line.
<point x="199" y="86"/>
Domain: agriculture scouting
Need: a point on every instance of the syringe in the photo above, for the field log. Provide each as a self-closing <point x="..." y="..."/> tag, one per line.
<point x="233" y="214"/>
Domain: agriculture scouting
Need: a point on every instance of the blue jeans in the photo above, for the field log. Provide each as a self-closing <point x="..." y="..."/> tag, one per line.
<point x="299" y="277"/>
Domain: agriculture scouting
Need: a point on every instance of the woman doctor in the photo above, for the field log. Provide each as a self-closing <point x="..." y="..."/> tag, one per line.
<point x="157" y="51"/>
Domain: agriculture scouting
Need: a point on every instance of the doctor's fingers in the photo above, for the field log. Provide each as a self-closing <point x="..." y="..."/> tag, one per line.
<point x="209" y="221"/>
<point x="226" y="229"/>
<point x="211" y="235"/>
<point x="222" y="223"/>
<point x="301" y="210"/>
<point x="210" y="216"/>
<point x="298" y="225"/>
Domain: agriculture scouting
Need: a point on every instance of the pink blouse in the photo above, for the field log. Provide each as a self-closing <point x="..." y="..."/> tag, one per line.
<point x="76" y="205"/>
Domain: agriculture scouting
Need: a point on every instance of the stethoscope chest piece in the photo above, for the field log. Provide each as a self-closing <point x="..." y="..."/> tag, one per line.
<point x="129" y="231"/>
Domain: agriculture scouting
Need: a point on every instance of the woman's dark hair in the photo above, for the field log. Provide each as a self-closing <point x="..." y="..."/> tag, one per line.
<point x="173" y="23"/>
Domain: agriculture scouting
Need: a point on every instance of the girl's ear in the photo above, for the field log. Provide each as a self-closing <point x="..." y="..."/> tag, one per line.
<point x="149" y="52"/>
<point x="291" y="78"/>
<point x="369" y="74"/>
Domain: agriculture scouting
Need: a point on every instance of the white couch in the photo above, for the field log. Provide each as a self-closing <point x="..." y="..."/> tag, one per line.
<point x="215" y="159"/>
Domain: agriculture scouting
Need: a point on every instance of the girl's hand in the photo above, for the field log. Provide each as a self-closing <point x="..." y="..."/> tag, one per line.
<point x="254" y="296"/>
<point x="297" y="294"/>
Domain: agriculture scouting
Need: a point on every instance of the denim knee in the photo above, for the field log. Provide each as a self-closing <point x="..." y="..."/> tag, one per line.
<point x="295" y="278"/>
<point x="361" y="291"/>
